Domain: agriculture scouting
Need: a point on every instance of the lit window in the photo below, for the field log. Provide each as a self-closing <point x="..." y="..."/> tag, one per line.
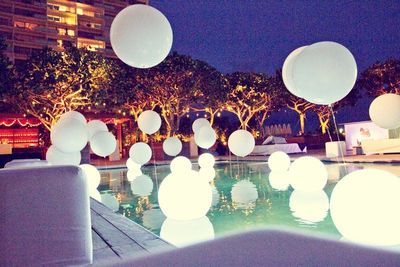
<point x="71" y="32"/>
<point x="59" y="43"/>
<point x="79" y="11"/>
<point x="62" y="31"/>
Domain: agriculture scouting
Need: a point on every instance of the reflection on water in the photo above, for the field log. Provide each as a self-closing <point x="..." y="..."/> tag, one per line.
<point x="243" y="198"/>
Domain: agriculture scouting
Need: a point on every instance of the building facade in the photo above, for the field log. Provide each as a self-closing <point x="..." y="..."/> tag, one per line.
<point x="29" y="25"/>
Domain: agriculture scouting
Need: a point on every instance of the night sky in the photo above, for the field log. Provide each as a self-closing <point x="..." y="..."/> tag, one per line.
<point x="249" y="35"/>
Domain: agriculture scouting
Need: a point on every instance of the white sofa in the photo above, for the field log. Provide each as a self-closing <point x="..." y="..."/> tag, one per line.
<point x="381" y="146"/>
<point x="44" y="217"/>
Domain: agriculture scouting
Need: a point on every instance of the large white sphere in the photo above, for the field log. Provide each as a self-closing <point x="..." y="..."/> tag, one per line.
<point x="365" y="207"/>
<point x="184" y="196"/>
<point x="57" y="157"/>
<point x="149" y="121"/>
<point x="244" y="194"/>
<point x="92" y="175"/>
<point x="73" y="115"/>
<point x="180" y="164"/>
<point x="199" y="123"/>
<point x="172" y="146"/>
<point x="132" y="174"/>
<point x="308" y="174"/>
<point x="385" y="111"/>
<point x="131" y="165"/>
<point x="184" y="233"/>
<point x="140" y="153"/>
<point x="153" y="219"/>
<point x="205" y="137"/>
<point x="279" y="180"/>
<point x="241" y="143"/>
<point x="142" y="186"/>
<point x="207" y="173"/>
<point x="69" y="135"/>
<point x="206" y="160"/>
<point x="324" y="72"/>
<point x="141" y="36"/>
<point x="96" y="126"/>
<point x="103" y="144"/>
<point x="287" y="71"/>
<point x="311" y="207"/>
<point x="279" y="161"/>
<point x="110" y="201"/>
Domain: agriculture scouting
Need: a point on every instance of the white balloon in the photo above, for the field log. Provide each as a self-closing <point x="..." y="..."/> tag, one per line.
<point x="172" y="146"/>
<point x="324" y="72"/>
<point x="206" y="160"/>
<point x="244" y="194"/>
<point x="241" y="143"/>
<point x="103" y="144"/>
<point x="279" y="161"/>
<point x="131" y="165"/>
<point x="153" y="219"/>
<point x="365" y="207"/>
<point x="184" y="233"/>
<point x="110" y="201"/>
<point x="141" y="36"/>
<point x="385" y="111"/>
<point x="180" y="164"/>
<point x="69" y="135"/>
<point x="287" y="71"/>
<point x="311" y="207"/>
<point x="149" y="121"/>
<point x="279" y="180"/>
<point x="205" y="137"/>
<point x="207" y="173"/>
<point x="73" y="115"/>
<point x="184" y="196"/>
<point x="140" y="153"/>
<point x="142" y="186"/>
<point x="95" y="194"/>
<point x="199" y="123"/>
<point x="92" y="175"/>
<point x="57" y="157"/>
<point x="308" y="174"/>
<point x="96" y="126"/>
<point x="132" y="174"/>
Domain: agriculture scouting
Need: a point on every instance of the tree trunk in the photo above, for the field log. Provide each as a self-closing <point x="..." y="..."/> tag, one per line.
<point x="302" y="122"/>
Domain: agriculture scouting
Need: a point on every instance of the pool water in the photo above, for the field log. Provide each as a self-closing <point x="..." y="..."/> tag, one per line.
<point x="243" y="199"/>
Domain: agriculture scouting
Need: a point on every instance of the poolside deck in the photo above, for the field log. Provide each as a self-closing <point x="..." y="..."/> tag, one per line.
<point x="116" y="237"/>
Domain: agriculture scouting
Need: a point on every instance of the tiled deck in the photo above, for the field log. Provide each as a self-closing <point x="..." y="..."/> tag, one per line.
<point x="116" y="237"/>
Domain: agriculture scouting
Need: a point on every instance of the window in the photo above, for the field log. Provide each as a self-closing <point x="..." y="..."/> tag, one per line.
<point x="70" y="32"/>
<point x="53" y="18"/>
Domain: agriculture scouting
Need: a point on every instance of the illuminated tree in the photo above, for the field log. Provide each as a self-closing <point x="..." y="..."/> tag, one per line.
<point x="51" y="83"/>
<point x="381" y="78"/>
<point x="250" y="94"/>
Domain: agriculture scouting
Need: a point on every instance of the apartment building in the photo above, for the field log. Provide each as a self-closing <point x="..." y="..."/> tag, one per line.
<point x="29" y="25"/>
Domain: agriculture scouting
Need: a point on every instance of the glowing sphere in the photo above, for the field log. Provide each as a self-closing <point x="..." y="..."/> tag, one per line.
<point x="131" y="165"/>
<point x="132" y="174"/>
<point x="103" y="144"/>
<point x="140" y="153"/>
<point x="308" y="174"/>
<point x="385" y="111"/>
<point x="153" y="219"/>
<point x="279" y="180"/>
<point x="57" y="157"/>
<point x="172" y="146"/>
<point x="206" y="160"/>
<point x="244" y="194"/>
<point x="92" y="175"/>
<point x="365" y="207"/>
<point x="96" y="126"/>
<point x="141" y="36"/>
<point x="324" y="72"/>
<point x="184" y="233"/>
<point x="180" y="164"/>
<point x="241" y="143"/>
<point x="149" y="121"/>
<point x="95" y="194"/>
<point x="69" y="135"/>
<point x="287" y="71"/>
<point x="207" y="173"/>
<point x="184" y="196"/>
<point x="205" y="137"/>
<point x="279" y="161"/>
<point x="311" y="207"/>
<point x="72" y="115"/>
<point x="199" y="123"/>
<point x="110" y="201"/>
<point x="142" y="186"/>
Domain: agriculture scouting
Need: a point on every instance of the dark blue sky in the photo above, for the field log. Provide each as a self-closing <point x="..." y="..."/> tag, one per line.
<point x="250" y="35"/>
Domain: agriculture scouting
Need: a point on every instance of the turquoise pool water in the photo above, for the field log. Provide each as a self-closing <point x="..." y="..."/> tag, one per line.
<point x="242" y="199"/>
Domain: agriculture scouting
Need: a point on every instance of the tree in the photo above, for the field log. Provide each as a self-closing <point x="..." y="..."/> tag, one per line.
<point x="51" y="83"/>
<point x="249" y="94"/>
<point x="381" y="78"/>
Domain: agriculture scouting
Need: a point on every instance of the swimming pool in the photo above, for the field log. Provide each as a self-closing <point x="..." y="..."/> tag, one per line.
<point x="243" y="199"/>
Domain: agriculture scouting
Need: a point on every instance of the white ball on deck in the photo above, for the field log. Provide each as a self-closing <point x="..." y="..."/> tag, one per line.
<point x="308" y="174"/>
<point x="279" y="161"/>
<point x="365" y="207"/>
